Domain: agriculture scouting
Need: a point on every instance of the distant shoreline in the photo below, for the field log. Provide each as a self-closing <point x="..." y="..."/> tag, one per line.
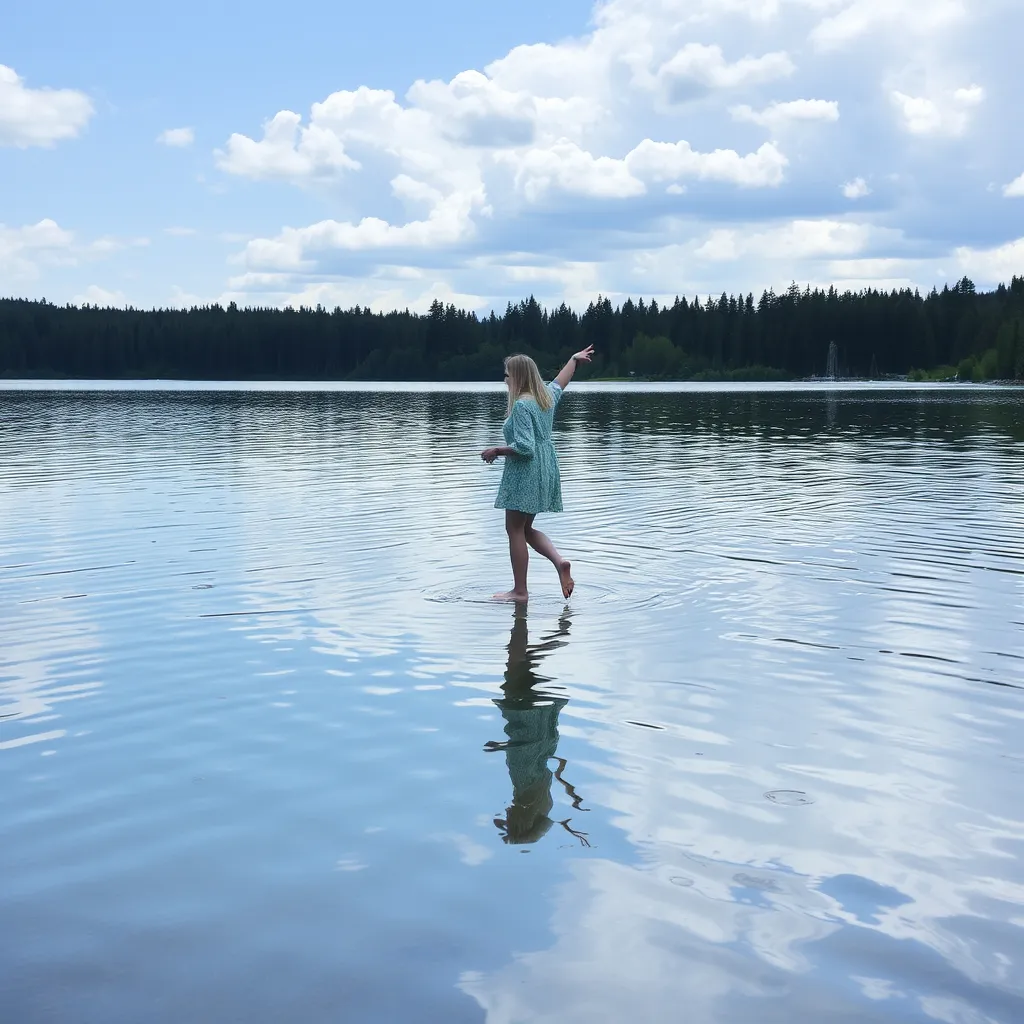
<point x="958" y="332"/>
<point x="632" y="379"/>
<point x="142" y="385"/>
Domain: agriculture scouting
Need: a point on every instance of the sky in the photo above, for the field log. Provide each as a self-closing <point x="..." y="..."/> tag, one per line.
<point x="388" y="154"/>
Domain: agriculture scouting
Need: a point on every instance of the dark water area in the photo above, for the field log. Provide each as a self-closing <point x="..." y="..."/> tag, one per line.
<point x="269" y="752"/>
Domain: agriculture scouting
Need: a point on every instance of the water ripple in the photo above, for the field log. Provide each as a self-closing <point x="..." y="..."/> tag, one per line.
<point x="269" y="748"/>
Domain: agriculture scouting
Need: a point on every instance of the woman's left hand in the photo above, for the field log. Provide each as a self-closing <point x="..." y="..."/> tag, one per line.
<point x="489" y="455"/>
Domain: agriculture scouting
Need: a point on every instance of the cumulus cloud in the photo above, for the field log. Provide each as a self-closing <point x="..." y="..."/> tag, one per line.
<point x="449" y="221"/>
<point x="478" y="111"/>
<point x="94" y="295"/>
<point x="472" y="108"/>
<point x="861" y="17"/>
<point x="1015" y="189"/>
<point x="779" y="115"/>
<point x="287" y="151"/>
<point x="800" y="239"/>
<point x="946" y="114"/>
<point x="883" y="273"/>
<point x="617" y="159"/>
<point x="25" y="250"/>
<point x="182" y="299"/>
<point x="665" y="161"/>
<point x="697" y="69"/>
<point x="568" y="168"/>
<point x="452" y="142"/>
<point x="383" y="289"/>
<point x="39" y="117"/>
<point x="856" y="189"/>
<point x="990" y="266"/>
<point x="21" y="249"/>
<point x="177" y="137"/>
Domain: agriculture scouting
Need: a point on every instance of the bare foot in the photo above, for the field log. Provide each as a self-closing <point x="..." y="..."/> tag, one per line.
<point x="512" y="595"/>
<point x="565" y="578"/>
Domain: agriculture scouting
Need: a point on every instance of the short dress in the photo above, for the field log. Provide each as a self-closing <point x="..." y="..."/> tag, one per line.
<point x="531" y="482"/>
<point x="531" y="726"/>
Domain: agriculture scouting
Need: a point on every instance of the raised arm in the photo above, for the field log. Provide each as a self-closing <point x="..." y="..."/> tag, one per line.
<point x="566" y="372"/>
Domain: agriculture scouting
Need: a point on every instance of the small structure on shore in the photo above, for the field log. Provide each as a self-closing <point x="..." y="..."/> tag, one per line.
<point x="832" y="368"/>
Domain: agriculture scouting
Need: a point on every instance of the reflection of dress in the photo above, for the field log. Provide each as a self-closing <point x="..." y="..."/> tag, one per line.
<point x="531" y="725"/>
<point x="530" y="481"/>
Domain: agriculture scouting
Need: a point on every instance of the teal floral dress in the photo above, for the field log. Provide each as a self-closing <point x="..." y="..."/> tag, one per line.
<point x="531" y="482"/>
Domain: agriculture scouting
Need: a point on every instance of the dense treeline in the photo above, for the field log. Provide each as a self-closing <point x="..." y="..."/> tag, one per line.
<point x="955" y="331"/>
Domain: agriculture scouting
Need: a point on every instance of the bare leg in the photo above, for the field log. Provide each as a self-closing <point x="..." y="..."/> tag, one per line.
<point x="519" y="553"/>
<point x="577" y="800"/>
<point x="541" y="543"/>
<point x="581" y="836"/>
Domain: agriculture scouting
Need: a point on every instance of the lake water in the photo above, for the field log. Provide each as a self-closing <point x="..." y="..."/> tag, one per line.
<point x="269" y="753"/>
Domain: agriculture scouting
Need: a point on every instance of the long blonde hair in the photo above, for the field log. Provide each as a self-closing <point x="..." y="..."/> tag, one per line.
<point x="524" y="379"/>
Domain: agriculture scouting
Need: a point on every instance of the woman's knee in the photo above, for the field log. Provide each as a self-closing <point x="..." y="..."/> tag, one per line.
<point x="515" y="525"/>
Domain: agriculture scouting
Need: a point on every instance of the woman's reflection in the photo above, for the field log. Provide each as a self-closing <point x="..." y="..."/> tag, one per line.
<point x="531" y="725"/>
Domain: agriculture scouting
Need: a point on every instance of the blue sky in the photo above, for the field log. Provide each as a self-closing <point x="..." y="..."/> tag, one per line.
<point x="384" y="154"/>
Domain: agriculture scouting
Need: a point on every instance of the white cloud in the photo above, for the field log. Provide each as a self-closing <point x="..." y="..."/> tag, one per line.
<point x="108" y="244"/>
<point x="94" y="295"/>
<point x="856" y="189"/>
<point x="881" y="273"/>
<point x="181" y="299"/>
<point x="180" y="232"/>
<point x="382" y="290"/>
<point x="177" y="137"/>
<point x="800" y="239"/>
<point x="287" y="151"/>
<point x="946" y="114"/>
<point x="567" y="168"/>
<point x="21" y="249"/>
<point x="449" y="221"/>
<point x="451" y="142"/>
<point x="913" y="17"/>
<point x="472" y="108"/>
<point x="39" y="117"/>
<point x="1015" y="188"/>
<point x="665" y="161"/>
<point x="579" y="153"/>
<point x="780" y="115"/>
<point x="990" y="266"/>
<point x="478" y="111"/>
<point x="575" y="67"/>
<point x="471" y="853"/>
<point x="970" y="96"/>
<point x="921" y="116"/>
<point x="696" y="69"/>
<point x="25" y="250"/>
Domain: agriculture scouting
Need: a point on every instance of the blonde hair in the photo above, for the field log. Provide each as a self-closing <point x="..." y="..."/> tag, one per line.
<point x="524" y="379"/>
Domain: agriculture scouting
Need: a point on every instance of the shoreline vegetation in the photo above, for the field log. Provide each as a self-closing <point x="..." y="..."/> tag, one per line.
<point x="956" y="334"/>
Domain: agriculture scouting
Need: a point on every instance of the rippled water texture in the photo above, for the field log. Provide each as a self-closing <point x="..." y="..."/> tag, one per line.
<point x="269" y="753"/>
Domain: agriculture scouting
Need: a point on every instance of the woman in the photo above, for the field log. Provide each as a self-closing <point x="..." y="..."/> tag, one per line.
<point x="530" y="482"/>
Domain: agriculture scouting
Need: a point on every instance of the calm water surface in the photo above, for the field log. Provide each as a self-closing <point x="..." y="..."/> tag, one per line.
<point x="269" y="753"/>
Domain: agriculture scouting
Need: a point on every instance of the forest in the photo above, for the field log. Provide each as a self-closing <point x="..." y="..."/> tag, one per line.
<point x="956" y="332"/>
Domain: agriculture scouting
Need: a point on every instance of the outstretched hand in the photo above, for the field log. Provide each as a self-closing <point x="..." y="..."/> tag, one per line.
<point x="489" y="455"/>
<point x="585" y="355"/>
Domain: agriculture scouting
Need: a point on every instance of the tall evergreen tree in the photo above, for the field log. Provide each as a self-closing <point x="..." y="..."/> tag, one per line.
<point x="955" y="330"/>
